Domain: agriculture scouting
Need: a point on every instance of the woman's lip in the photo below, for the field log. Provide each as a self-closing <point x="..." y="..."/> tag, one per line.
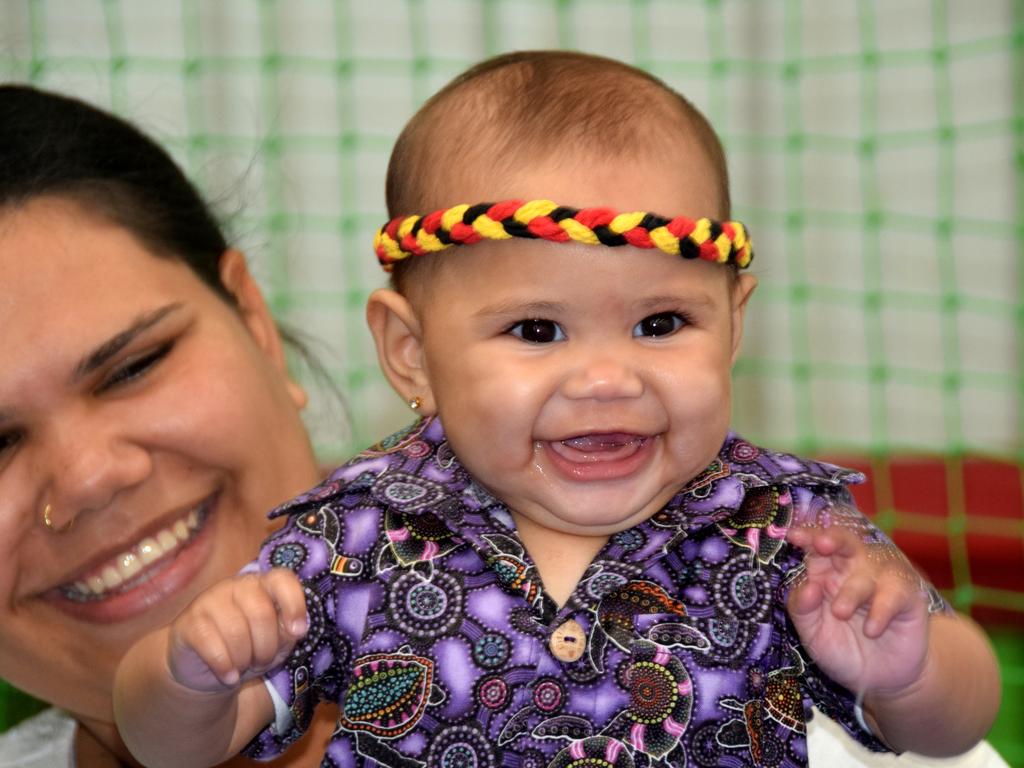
<point x="599" y="455"/>
<point x="151" y="583"/>
<point x="135" y="563"/>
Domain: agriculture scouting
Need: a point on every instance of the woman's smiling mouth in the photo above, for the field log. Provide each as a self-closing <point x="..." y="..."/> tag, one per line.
<point x="599" y="456"/>
<point x="132" y="566"/>
<point x="157" y="566"/>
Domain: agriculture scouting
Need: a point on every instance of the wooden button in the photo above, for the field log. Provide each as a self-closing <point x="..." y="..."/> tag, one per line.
<point x="568" y="642"/>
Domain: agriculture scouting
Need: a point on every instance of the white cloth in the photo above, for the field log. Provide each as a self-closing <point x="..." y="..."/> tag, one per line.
<point x="44" y="741"/>
<point x="828" y="745"/>
<point x="47" y="741"/>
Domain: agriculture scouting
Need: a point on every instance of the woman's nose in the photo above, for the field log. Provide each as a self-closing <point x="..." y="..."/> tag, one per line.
<point x="88" y="464"/>
<point x="604" y="374"/>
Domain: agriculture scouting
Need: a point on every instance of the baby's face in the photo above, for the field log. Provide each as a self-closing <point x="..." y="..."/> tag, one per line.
<point x="584" y="385"/>
<point x="581" y="385"/>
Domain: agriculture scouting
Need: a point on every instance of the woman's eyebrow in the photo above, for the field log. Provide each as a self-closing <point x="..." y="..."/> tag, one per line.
<point x="120" y="340"/>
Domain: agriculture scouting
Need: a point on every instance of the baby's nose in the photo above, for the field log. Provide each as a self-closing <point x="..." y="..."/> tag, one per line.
<point x="604" y="377"/>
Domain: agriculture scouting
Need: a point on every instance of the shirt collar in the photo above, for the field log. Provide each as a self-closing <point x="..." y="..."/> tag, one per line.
<point x="471" y="514"/>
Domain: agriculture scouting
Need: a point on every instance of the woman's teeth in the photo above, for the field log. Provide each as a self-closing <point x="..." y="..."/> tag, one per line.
<point x="122" y="569"/>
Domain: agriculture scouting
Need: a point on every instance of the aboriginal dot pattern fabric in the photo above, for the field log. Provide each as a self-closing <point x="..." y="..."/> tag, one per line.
<point x="431" y="629"/>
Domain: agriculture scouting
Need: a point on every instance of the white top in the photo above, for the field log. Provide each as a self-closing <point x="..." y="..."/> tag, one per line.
<point x="47" y="741"/>
<point x="44" y="741"/>
<point x="828" y="744"/>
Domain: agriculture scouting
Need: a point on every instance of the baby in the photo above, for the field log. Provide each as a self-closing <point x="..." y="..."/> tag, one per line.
<point x="569" y="560"/>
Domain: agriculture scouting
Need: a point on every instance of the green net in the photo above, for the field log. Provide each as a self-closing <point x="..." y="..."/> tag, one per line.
<point x="876" y="152"/>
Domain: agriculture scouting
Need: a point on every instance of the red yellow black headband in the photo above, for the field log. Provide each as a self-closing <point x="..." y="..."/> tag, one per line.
<point x="724" y="242"/>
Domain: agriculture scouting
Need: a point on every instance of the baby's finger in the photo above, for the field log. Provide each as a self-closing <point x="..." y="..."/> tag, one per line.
<point x="893" y="598"/>
<point x="286" y="591"/>
<point x="200" y="643"/>
<point x="857" y="591"/>
<point x="840" y="542"/>
<point x="257" y="605"/>
<point x="804" y="600"/>
<point x="800" y="536"/>
<point x="814" y="541"/>
<point x="233" y="625"/>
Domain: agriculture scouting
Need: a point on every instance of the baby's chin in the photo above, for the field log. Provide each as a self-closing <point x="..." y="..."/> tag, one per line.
<point x="591" y="523"/>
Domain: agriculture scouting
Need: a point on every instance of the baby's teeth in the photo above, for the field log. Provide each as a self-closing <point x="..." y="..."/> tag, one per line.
<point x="150" y="551"/>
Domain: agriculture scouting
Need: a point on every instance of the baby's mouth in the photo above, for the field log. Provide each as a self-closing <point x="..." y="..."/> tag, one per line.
<point x="137" y="564"/>
<point x="600" y="447"/>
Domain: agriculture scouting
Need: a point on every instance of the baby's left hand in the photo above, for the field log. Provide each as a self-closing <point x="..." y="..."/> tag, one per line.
<point x="862" y="619"/>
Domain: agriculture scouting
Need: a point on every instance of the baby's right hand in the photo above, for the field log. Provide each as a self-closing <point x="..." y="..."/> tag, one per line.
<point x="237" y="630"/>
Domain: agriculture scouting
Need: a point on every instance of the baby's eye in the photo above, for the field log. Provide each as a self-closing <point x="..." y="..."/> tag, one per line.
<point x="661" y="324"/>
<point x="538" y="331"/>
<point x="135" y="367"/>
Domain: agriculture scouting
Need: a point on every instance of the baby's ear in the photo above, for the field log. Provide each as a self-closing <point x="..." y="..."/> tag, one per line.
<point x="741" y="291"/>
<point x="399" y="339"/>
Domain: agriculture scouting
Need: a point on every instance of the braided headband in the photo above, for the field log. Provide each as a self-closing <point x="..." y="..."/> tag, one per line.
<point x="724" y="242"/>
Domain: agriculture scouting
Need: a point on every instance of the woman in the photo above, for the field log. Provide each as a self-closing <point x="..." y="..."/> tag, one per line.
<point x="147" y="420"/>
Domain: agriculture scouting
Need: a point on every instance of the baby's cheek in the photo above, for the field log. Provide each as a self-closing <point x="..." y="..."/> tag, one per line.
<point x="707" y="394"/>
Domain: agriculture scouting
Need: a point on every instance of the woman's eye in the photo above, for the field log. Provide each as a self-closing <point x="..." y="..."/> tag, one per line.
<point x="7" y="441"/>
<point x="537" y="331"/>
<point x="135" y="367"/>
<point x="662" y="324"/>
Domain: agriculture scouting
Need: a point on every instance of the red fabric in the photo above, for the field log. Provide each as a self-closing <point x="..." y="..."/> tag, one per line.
<point x="993" y="502"/>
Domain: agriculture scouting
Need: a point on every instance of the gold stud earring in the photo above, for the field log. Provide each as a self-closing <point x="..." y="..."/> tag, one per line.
<point x="48" y="522"/>
<point x="415" y="403"/>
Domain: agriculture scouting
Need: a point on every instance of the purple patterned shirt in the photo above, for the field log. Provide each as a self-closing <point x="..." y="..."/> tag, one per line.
<point x="431" y="629"/>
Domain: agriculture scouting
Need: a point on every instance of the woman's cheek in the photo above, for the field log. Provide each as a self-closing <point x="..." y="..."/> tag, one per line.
<point x="211" y="407"/>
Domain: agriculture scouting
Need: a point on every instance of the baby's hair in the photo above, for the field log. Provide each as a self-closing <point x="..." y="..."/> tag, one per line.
<point x="529" y="107"/>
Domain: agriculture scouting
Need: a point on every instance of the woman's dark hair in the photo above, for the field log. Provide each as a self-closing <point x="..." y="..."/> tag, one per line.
<point x="60" y="146"/>
<point x="55" y="145"/>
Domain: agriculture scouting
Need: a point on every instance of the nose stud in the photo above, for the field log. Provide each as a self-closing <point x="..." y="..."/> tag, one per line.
<point x="48" y="521"/>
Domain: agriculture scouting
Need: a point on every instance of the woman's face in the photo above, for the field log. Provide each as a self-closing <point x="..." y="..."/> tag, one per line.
<point x="158" y="423"/>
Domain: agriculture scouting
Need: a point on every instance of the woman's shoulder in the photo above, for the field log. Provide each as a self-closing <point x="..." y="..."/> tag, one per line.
<point x="42" y="741"/>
